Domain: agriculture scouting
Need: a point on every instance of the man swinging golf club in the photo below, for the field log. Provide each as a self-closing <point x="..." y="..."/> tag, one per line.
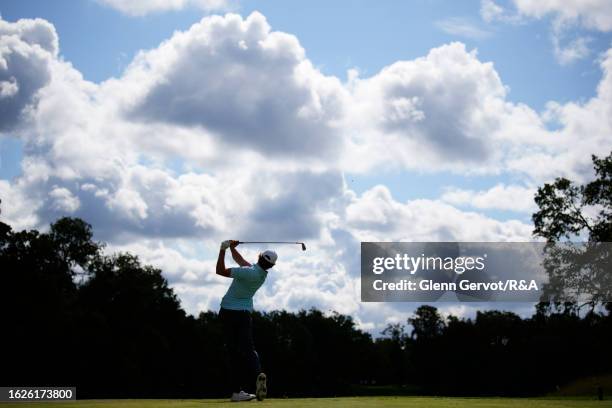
<point x="235" y="315"/>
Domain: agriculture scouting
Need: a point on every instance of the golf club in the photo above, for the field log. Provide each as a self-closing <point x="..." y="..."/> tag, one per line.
<point x="274" y="242"/>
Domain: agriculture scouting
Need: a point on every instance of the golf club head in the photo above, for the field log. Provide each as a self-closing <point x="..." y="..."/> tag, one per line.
<point x="303" y="246"/>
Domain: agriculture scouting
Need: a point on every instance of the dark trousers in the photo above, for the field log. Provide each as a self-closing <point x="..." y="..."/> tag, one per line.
<point x="244" y="366"/>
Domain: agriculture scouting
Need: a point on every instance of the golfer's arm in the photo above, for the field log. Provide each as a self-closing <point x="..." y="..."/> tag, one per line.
<point x="238" y="258"/>
<point x="221" y="269"/>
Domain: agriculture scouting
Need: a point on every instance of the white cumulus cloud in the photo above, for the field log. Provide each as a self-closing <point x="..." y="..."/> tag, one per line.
<point x="63" y="200"/>
<point x="375" y="216"/>
<point x="444" y="111"/>
<point x="499" y="197"/>
<point x="590" y="15"/>
<point x="594" y="14"/>
<point x="26" y="49"/>
<point x="240" y="81"/>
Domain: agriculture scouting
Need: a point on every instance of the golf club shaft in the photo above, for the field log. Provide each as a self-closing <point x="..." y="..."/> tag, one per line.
<point x="269" y="242"/>
<point x="274" y="242"/>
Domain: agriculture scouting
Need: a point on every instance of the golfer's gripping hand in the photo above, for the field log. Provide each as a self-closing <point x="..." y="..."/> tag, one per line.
<point x="230" y="243"/>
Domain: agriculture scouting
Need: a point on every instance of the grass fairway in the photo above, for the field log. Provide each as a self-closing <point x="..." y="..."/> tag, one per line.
<point x="359" y="402"/>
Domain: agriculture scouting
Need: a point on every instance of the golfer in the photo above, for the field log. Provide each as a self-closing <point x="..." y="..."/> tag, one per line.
<point x="235" y="315"/>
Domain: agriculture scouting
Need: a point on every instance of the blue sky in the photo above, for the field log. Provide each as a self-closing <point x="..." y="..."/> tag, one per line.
<point x="222" y="127"/>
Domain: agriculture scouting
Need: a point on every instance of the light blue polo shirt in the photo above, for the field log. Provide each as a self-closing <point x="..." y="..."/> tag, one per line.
<point x="246" y="281"/>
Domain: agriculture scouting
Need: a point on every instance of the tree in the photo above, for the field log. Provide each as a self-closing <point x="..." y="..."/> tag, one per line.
<point x="426" y="346"/>
<point x="564" y="206"/>
<point x="567" y="211"/>
<point x="427" y="323"/>
<point x="73" y="240"/>
<point x="132" y="321"/>
<point x="37" y="297"/>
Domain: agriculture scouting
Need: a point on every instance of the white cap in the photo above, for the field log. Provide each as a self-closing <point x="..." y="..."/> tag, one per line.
<point x="269" y="256"/>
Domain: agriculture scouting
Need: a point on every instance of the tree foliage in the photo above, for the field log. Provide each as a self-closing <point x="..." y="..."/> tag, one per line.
<point x="565" y="207"/>
<point x="572" y="212"/>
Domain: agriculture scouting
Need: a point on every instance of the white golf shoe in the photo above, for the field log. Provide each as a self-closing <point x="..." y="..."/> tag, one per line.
<point x="242" y="396"/>
<point x="261" y="387"/>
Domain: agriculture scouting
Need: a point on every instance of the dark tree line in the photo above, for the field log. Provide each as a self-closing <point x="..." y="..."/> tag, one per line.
<point x="112" y="327"/>
<point x="498" y="353"/>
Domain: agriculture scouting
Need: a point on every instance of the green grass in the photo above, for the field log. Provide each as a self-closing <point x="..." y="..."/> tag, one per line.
<point x="358" y="402"/>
